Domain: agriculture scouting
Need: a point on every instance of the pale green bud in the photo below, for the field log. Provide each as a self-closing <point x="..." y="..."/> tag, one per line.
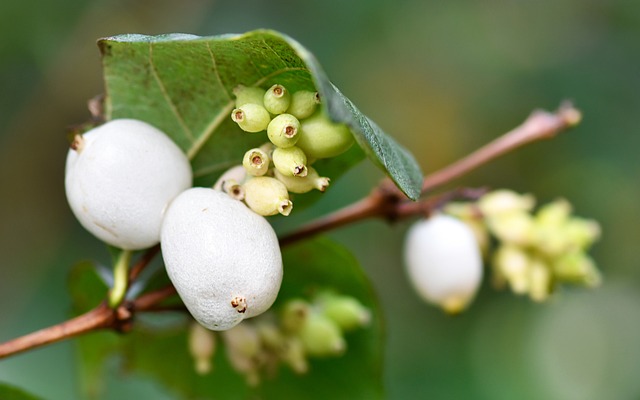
<point x="251" y="117"/>
<point x="321" y="337"/>
<point x="551" y="240"/>
<point x="290" y="161"/>
<point x="293" y="353"/>
<point x="582" y="233"/>
<point x="201" y="347"/>
<point x="516" y="227"/>
<point x="505" y="201"/>
<point x="345" y="311"/>
<point x="321" y="138"/>
<point x="555" y="213"/>
<point x="283" y="130"/>
<point x="277" y="99"/>
<point x="233" y="189"/>
<point x="294" y="314"/>
<point x="577" y="267"/>
<point x="269" y="334"/>
<point x="297" y="184"/>
<point x="303" y="104"/>
<point x="256" y="162"/>
<point x="243" y="350"/>
<point x="248" y="95"/>
<point x="513" y="264"/>
<point x="540" y="280"/>
<point x="462" y="210"/>
<point x="267" y="196"/>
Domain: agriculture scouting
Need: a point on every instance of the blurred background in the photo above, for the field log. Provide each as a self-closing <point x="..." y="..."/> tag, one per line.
<point x="443" y="78"/>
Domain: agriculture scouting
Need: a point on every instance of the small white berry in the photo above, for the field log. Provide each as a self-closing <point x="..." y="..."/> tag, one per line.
<point x="223" y="259"/>
<point x="119" y="179"/>
<point x="443" y="262"/>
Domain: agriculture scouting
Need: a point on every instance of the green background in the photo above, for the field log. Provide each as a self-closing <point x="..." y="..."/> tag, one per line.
<point x="443" y="78"/>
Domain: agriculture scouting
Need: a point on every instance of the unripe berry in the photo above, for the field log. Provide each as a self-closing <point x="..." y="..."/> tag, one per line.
<point x="294" y="314"/>
<point x="248" y="94"/>
<point x="303" y="104"/>
<point x="505" y="201"/>
<point x="202" y="344"/>
<point x="283" y="130"/>
<point x="443" y="262"/>
<point x="121" y="177"/>
<point x="513" y="263"/>
<point x="251" y="117"/>
<point x="231" y="182"/>
<point x="223" y="259"/>
<point x="256" y="162"/>
<point x="347" y="312"/>
<point x="277" y="99"/>
<point x="297" y="184"/>
<point x="321" y="138"/>
<point x="290" y="161"/>
<point x="267" y="196"/>
<point x="321" y="337"/>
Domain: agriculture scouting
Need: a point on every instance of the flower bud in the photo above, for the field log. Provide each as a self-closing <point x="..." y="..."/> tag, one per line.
<point x="290" y="161"/>
<point x="582" y="233"/>
<point x="251" y="117"/>
<point x="540" y="282"/>
<point x="554" y="214"/>
<point x="321" y="337"/>
<point x="515" y="227"/>
<point x="267" y="196"/>
<point x="201" y="346"/>
<point x="294" y="314"/>
<point x="248" y="95"/>
<point x="513" y="264"/>
<point x="303" y="104"/>
<point x="256" y="162"/>
<point x="237" y="174"/>
<point x="293" y="353"/>
<point x="576" y="267"/>
<point x="243" y="350"/>
<point x="443" y="262"/>
<point x="321" y="138"/>
<point x="283" y="130"/>
<point x="277" y="99"/>
<point x="297" y="184"/>
<point x="347" y="312"/>
<point x="505" y="201"/>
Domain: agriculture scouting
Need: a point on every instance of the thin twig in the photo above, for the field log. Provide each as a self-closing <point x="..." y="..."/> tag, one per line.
<point x="383" y="201"/>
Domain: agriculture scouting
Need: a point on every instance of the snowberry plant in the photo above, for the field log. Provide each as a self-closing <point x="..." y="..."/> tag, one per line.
<point x="199" y="145"/>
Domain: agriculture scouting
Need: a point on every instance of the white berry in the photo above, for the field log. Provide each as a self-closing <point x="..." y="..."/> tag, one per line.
<point x="443" y="262"/>
<point x="119" y="179"/>
<point x="223" y="259"/>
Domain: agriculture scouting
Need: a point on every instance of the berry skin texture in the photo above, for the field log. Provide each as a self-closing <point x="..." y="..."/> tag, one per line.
<point x="223" y="259"/>
<point x="321" y="138"/>
<point x="121" y="177"/>
<point x="290" y="161"/>
<point x="303" y="104"/>
<point x="443" y="262"/>
<point x="251" y="117"/>
<point x="267" y="196"/>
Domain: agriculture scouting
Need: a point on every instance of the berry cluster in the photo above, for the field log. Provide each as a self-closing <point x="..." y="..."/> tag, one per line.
<point x="535" y="251"/>
<point x="301" y="330"/>
<point x="299" y="134"/>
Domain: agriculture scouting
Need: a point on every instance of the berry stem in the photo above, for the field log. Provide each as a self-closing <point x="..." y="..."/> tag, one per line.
<point x="120" y="279"/>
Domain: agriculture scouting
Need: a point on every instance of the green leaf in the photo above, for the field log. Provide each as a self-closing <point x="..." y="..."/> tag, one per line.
<point x="183" y="85"/>
<point x="158" y="347"/>
<point x="9" y="392"/>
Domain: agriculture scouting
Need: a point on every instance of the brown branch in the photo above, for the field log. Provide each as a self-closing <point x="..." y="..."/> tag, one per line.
<point x="388" y="202"/>
<point x="385" y="201"/>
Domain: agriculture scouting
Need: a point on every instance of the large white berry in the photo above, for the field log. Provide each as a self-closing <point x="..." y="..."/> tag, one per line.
<point x="444" y="262"/>
<point x="119" y="179"/>
<point x="223" y="258"/>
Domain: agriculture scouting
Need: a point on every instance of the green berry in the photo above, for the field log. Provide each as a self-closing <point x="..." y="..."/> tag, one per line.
<point x="303" y="104"/>
<point x="345" y="311"/>
<point x="251" y="117"/>
<point x="283" y="130"/>
<point x="297" y="184"/>
<point x="290" y="161"/>
<point x="267" y="196"/>
<point x="294" y="314"/>
<point x="248" y="94"/>
<point x="321" y="337"/>
<point x="277" y="99"/>
<point x="256" y="162"/>
<point x="321" y="138"/>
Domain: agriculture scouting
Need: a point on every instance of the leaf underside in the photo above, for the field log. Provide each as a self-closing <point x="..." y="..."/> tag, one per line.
<point x="183" y="85"/>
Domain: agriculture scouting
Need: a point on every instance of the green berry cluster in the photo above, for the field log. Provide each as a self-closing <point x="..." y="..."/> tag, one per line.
<point x="535" y="251"/>
<point x="299" y="134"/>
<point x="301" y="330"/>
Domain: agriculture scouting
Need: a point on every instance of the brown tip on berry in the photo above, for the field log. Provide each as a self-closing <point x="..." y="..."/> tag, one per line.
<point x="237" y="115"/>
<point x="290" y="131"/>
<point x="77" y="143"/>
<point x="239" y="303"/>
<point x="278" y="90"/>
